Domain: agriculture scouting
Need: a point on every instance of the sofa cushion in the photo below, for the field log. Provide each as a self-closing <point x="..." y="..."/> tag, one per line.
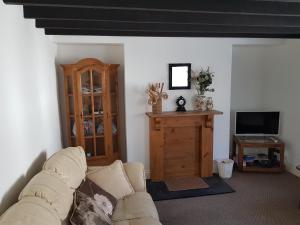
<point x="30" y="211"/>
<point x="134" y="171"/>
<point x="69" y="164"/>
<point x="135" y="206"/>
<point x="136" y="175"/>
<point x="53" y="190"/>
<point x="112" y="179"/>
<point x="139" y="221"/>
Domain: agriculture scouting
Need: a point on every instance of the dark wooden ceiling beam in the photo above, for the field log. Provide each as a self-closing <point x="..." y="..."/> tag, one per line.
<point x="50" y="31"/>
<point x="161" y="27"/>
<point x="158" y="17"/>
<point x="193" y="18"/>
<point x="232" y="6"/>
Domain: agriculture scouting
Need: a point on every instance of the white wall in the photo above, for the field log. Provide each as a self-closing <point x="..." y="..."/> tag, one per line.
<point x="282" y="92"/>
<point x="146" y="60"/>
<point x="29" y="118"/>
<point x="267" y="78"/>
<point x="107" y="53"/>
<point x="248" y="70"/>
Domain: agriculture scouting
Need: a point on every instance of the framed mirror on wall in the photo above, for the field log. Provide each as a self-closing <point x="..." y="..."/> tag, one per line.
<point x="179" y="76"/>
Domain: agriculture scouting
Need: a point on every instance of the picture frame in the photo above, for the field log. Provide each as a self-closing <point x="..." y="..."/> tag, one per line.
<point x="179" y="76"/>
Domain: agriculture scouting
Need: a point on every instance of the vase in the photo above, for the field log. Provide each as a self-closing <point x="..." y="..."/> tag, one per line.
<point x="157" y="107"/>
<point x="199" y="103"/>
<point x="209" y="103"/>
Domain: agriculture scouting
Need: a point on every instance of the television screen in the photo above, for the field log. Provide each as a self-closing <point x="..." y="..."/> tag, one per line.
<point x="257" y="123"/>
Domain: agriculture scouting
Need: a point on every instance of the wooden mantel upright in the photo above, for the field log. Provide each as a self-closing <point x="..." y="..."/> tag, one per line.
<point x="181" y="144"/>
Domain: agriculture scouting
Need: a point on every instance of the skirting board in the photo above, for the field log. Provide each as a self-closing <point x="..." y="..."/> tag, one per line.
<point x="292" y="169"/>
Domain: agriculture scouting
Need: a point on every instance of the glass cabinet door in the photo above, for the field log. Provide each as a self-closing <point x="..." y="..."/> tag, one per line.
<point x="92" y="122"/>
<point x="113" y="80"/>
<point x="70" y="107"/>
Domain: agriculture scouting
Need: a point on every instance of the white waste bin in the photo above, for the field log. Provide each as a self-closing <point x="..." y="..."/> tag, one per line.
<point x="225" y="168"/>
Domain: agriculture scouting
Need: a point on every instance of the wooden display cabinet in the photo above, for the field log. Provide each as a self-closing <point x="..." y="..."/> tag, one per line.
<point x="92" y="112"/>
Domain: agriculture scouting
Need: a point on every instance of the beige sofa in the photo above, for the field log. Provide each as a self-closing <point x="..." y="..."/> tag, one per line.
<point x="48" y="198"/>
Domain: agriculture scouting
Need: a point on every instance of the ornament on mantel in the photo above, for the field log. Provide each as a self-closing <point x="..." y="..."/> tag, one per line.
<point x="202" y="82"/>
<point x="156" y="94"/>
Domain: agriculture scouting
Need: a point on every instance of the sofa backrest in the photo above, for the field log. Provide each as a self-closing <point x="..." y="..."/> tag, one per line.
<point x="30" y="211"/>
<point x="51" y="189"/>
<point x="49" y="194"/>
<point x="69" y="165"/>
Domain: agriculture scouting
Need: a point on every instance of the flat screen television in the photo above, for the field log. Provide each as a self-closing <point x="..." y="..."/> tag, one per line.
<point x="257" y="123"/>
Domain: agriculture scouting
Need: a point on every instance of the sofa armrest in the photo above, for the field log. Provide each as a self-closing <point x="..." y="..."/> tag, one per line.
<point x="135" y="172"/>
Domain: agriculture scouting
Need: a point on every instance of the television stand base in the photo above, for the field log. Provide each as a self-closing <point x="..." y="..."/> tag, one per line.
<point x="272" y="144"/>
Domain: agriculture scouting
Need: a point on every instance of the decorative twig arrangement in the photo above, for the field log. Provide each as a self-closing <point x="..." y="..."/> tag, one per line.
<point x="155" y="93"/>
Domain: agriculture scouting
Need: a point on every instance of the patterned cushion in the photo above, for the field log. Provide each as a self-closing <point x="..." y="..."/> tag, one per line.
<point x="93" y="205"/>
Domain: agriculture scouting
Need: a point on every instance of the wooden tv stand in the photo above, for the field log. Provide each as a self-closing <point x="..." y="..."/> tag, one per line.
<point x="273" y="146"/>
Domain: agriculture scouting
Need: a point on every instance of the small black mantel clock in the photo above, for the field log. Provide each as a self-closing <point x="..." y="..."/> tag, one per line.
<point x="180" y="102"/>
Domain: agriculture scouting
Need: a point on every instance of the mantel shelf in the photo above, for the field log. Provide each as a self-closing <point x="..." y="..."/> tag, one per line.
<point x="187" y="113"/>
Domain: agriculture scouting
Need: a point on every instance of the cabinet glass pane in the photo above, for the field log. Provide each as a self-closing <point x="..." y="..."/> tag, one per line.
<point x="100" y="141"/>
<point x="99" y="126"/>
<point x="97" y="82"/>
<point x="113" y="83"/>
<point x="72" y="127"/>
<point x="100" y="146"/>
<point x="86" y="87"/>
<point x="114" y="104"/>
<point x="88" y="127"/>
<point x="89" y="148"/>
<point x="115" y="134"/>
<point x="71" y="105"/>
<point x="73" y="142"/>
<point x="87" y="105"/>
<point x="69" y="84"/>
<point x="98" y="105"/>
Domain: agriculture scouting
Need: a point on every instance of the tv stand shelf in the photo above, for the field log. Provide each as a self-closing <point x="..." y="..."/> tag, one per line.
<point x="272" y="144"/>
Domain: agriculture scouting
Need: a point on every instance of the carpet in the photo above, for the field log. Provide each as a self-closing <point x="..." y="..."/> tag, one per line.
<point x="260" y="199"/>
<point x="188" y="183"/>
<point x="159" y="190"/>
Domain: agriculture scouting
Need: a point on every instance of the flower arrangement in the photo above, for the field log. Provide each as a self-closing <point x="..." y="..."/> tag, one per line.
<point x="203" y="80"/>
<point x="155" y="93"/>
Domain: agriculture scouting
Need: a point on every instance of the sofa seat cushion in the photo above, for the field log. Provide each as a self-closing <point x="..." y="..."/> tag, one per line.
<point x="53" y="190"/>
<point x="135" y="206"/>
<point x="69" y="164"/>
<point x="139" y="221"/>
<point x="30" y="211"/>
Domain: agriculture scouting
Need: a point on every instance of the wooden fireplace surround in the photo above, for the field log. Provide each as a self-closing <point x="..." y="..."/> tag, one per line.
<point x="181" y="144"/>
